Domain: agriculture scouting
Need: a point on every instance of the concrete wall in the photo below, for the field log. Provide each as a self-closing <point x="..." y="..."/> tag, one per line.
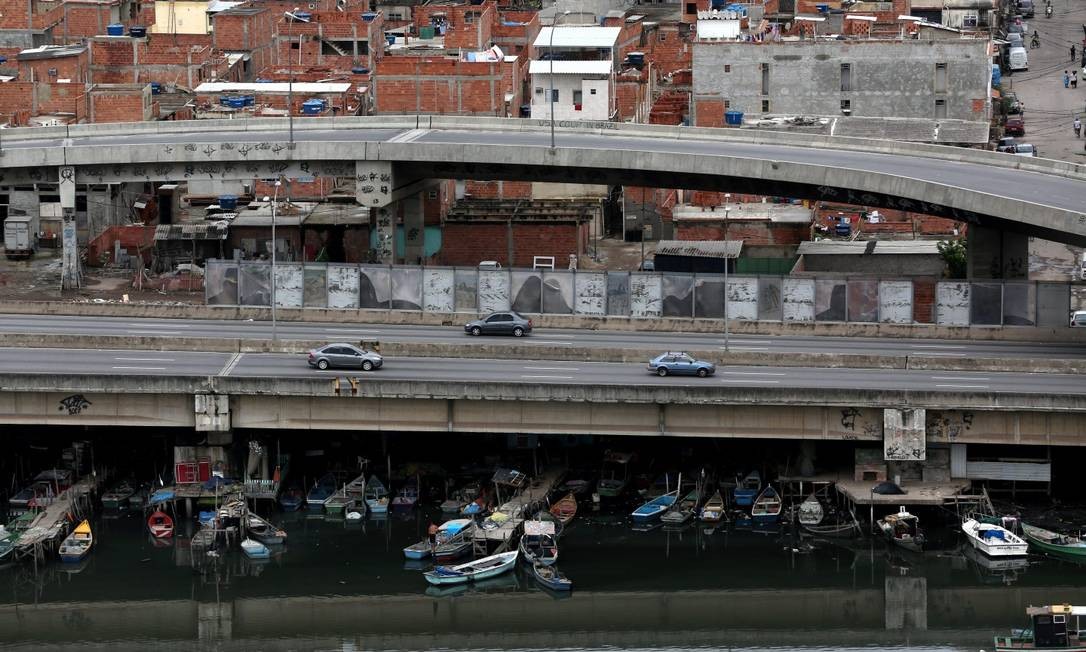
<point x="888" y="79"/>
<point x="593" y="106"/>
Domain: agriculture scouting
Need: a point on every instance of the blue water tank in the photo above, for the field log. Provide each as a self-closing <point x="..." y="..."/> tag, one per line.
<point x="368" y="16"/>
<point x="248" y="100"/>
<point x="3" y="59"/>
<point x="997" y="75"/>
<point x="312" y="107"/>
<point x="116" y="29"/>
<point x="733" y="118"/>
<point x="228" y="202"/>
<point x="137" y="32"/>
<point x="303" y="16"/>
<point x="390" y="39"/>
<point x="359" y="70"/>
<point x="156" y="88"/>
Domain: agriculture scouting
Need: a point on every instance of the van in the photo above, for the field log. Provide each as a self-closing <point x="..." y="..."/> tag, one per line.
<point x="1026" y="8"/>
<point x="1018" y="59"/>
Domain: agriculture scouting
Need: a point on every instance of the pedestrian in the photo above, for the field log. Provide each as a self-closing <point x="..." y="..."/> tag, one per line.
<point x="431" y="533"/>
<point x="1077" y="126"/>
<point x="1074" y="79"/>
<point x="1066" y="80"/>
<point x="1072" y="52"/>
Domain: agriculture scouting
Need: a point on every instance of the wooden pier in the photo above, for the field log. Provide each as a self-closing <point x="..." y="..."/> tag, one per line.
<point x="532" y="497"/>
<point x="49" y="527"/>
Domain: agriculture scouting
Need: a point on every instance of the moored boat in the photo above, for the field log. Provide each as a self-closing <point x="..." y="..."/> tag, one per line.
<point x="456" y="547"/>
<point x="338" y="503"/>
<point x="320" y="492"/>
<point x="538" y="543"/>
<point x="994" y="540"/>
<point x="406" y="498"/>
<point x="1053" y="542"/>
<point x="565" y="508"/>
<point x="767" y="506"/>
<point x="442" y="534"/>
<point x="7" y="543"/>
<point x="811" y="511"/>
<point x="551" y="577"/>
<point x="160" y="524"/>
<point x="263" y="530"/>
<point x="654" y="508"/>
<point x="747" y="489"/>
<point x="479" y="569"/>
<point x="376" y="496"/>
<point x="118" y="496"/>
<point x="77" y="545"/>
<point x="903" y="530"/>
<point x="139" y="497"/>
<point x="684" y="509"/>
<point x="291" y="500"/>
<point x="713" y="510"/>
<point x="615" y="476"/>
<point x="254" y="549"/>
<point x="1051" y="628"/>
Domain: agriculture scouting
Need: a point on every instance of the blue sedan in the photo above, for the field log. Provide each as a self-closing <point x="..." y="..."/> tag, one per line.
<point x="680" y="363"/>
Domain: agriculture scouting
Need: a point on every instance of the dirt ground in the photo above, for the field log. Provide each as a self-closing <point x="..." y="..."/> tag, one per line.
<point x="38" y="279"/>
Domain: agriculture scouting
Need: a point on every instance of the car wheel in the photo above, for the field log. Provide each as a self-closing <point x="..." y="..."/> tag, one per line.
<point x="661" y="371"/>
<point x="367" y="365"/>
<point x="518" y="332"/>
<point x="703" y="372"/>
<point x="476" y="331"/>
<point x="322" y="364"/>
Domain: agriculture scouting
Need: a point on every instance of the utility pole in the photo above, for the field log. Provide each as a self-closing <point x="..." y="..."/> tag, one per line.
<point x="727" y="263"/>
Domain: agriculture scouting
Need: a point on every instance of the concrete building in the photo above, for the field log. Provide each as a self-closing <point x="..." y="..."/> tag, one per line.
<point x="872" y="257"/>
<point x="582" y="77"/>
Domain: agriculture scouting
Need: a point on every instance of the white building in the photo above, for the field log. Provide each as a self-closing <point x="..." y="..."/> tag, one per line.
<point x="577" y="64"/>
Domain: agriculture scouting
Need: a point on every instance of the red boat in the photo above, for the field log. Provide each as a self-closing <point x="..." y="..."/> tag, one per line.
<point x="160" y="524"/>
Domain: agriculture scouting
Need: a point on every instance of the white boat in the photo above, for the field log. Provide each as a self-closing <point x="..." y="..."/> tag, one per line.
<point x="810" y="511"/>
<point x="77" y="544"/>
<point x="903" y="530"/>
<point x="263" y="531"/>
<point x="994" y="540"/>
<point x="443" y="534"/>
<point x="480" y="569"/>
<point x="254" y="549"/>
<point x="376" y="496"/>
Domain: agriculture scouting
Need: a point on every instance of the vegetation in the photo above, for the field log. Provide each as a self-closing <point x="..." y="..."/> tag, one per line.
<point x="955" y="256"/>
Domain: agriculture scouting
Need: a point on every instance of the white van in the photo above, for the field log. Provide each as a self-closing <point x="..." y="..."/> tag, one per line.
<point x="1018" y="59"/>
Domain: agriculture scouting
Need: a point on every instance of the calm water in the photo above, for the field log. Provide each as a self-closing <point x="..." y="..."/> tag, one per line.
<point x="340" y="587"/>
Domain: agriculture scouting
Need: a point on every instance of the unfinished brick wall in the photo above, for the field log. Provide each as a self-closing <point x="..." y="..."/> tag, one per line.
<point x="707" y="111"/>
<point x="21" y="15"/>
<point x="84" y="19"/>
<point x="185" y="59"/>
<point x="444" y="86"/>
<point x="121" y="105"/>
<point x="498" y="189"/>
<point x="246" y="31"/>
<point x="76" y="68"/>
<point x="468" y="243"/>
<point x="515" y="32"/>
<point x="468" y="27"/>
<point x="751" y="233"/>
<point x="339" y="40"/>
<point x="319" y="188"/>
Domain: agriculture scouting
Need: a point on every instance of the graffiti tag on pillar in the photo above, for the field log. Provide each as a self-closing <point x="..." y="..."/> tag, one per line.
<point x="74" y="404"/>
<point x="848" y="418"/>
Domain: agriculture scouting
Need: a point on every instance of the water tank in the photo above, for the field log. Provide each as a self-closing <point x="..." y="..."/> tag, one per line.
<point x="733" y="118"/>
<point x="137" y="32"/>
<point x="116" y="29"/>
<point x="368" y="16"/>
<point x="997" y="75"/>
<point x="303" y="16"/>
<point x="228" y="202"/>
<point x="312" y="107"/>
<point x="156" y="88"/>
<point x="390" y="39"/>
<point x="426" y="32"/>
<point x="359" y="70"/>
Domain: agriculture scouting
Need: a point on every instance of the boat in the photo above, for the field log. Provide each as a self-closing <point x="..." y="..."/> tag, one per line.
<point x="160" y="524"/>
<point x="354" y="514"/>
<point x="291" y="500"/>
<point x="376" y="496"/>
<point x="565" y="508"/>
<point x="255" y="550"/>
<point x="459" y="499"/>
<point x="338" y="503"/>
<point x="576" y="486"/>
<point x="321" y="491"/>
<point x="356" y="489"/>
<point x="994" y="540"/>
<point x="767" y="506"/>
<point x="684" y="509"/>
<point x="811" y="511"/>
<point x="538" y="543"/>
<point x="77" y="545"/>
<point x="615" y="475"/>
<point x="654" y="508"/>
<point x="139" y="497"/>
<point x="118" y="496"/>
<point x="163" y="495"/>
<point x="551" y="577"/>
<point x="1050" y="628"/>
<point x="456" y="547"/>
<point x="714" y="509"/>
<point x="747" y="489"/>
<point x="7" y="543"/>
<point x="442" y="534"/>
<point x="480" y="569"/>
<point x="1054" y="542"/>
<point x="263" y="531"/>
<point x="407" y="497"/>
<point x="903" y="529"/>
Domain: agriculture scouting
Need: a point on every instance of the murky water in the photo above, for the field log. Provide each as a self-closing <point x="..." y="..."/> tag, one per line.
<point x="347" y="587"/>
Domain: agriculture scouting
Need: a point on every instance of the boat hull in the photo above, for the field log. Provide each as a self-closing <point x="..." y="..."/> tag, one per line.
<point x="745" y="497"/>
<point x="999" y="543"/>
<point x="71" y="558"/>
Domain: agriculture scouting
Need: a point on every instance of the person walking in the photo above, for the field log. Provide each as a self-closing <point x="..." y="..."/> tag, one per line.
<point x="1074" y="79"/>
<point x="1077" y="126"/>
<point x="1066" y="80"/>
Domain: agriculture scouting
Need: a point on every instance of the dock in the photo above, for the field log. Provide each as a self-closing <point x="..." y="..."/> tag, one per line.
<point x="49" y="527"/>
<point x="531" y="497"/>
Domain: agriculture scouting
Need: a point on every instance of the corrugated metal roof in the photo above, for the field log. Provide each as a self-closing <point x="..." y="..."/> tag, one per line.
<point x="700" y="248"/>
<point x="570" y="67"/>
<point x="714" y="29"/>
<point x="274" y="87"/>
<point x="578" y="37"/>
<point x="875" y="247"/>
<point x="190" y="232"/>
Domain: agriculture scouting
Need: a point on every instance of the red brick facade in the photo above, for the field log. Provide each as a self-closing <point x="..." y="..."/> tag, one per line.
<point x="468" y="243"/>
<point x="445" y="86"/>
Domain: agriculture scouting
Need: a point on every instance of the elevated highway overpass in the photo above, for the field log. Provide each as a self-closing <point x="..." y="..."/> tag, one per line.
<point x="390" y="156"/>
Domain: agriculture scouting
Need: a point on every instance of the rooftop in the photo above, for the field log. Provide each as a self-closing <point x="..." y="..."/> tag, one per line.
<point x="861" y="247"/>
<point x="274" y="87"/>
<point x="578" y="37"/>
<point x="570" y="67"/>
<point x="51" y="52"/>
<point x="756" y="211"/>
<point x="700" y="248"/>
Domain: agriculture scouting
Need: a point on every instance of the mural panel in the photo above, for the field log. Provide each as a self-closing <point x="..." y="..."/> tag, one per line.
<point x="644" y="295"/>
<point x="493" y="290"/>
<point x="221" y="283"/>
<point x="799" y="299"/>
<point x="343" y="286"/>
<point x="618" y="294"/>
<point x="558" y="292"/>
<point x="896" y="302"/>
<point x="987" y="304"/>
<point x="406" y="288"/>
<point x="466" y="290"/>
<point x="526" y="288"/>
<point x="288" y="285"/>
<point x="830" y="299"/>
<point x="1053" y="304"/>
<point x="374" y="287"/>
<point x="952" y="299"/>
<point x="590" y="293"/>
<point x="863" y="300"/>
<point x="316" y="285"/>
<point x="437" y="290"/>
<point x="709" y="297"/>
<point x="254" y="286"/>
<point x="770" y="298"/>
<point x="677" y="295"/>
<point x="1019" y="302"/>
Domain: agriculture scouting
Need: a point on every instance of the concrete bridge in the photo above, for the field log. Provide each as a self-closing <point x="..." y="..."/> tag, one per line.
<point x="393" y="157"/>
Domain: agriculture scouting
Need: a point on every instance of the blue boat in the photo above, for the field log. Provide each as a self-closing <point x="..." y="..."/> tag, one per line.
<point x="748" y="489"/>
<point x="321" y="492"/>
<point x="291" y="500"/>
<point x="551" y="577"/>
<point x="255" y="549"/>
<point x="445" y="532"/>
<point x="655" y="508"/>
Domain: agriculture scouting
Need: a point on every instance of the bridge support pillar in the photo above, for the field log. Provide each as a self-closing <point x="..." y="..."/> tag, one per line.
<point x="212" y="413"/>
<point x="993" y="253"/>
<point x="414" y="230"/>
<point x="71" y="276"/>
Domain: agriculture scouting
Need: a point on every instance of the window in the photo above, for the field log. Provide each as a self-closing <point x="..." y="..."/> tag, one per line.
<point x="691" y="8"/>
<point x="577" y="98"/>
<point x="940" y="108"/>
<point x="727" y="67"/>
<point x="538" y="90"/>
<point x="395" y="16"/>
<point x="969" y="20"/>
<point x="765" y="106"/>
<point x="591" y="91"/>
<point x="846" y="106"/>
<point x="940" y="78"/>
<point x="433" y="194"/>
<point x="765" y="79"/>
<point x="470" y="17"/>
<point x="846" y="77"/>
<point x="554" y="95"/>
<point x="727" y="104"/>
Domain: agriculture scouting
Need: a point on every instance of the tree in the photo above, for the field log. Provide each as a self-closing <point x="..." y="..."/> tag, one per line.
<point x="954" y="254"/>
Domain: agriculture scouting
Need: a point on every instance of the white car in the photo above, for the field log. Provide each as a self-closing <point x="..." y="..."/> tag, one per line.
<point x="1078" y="319"/>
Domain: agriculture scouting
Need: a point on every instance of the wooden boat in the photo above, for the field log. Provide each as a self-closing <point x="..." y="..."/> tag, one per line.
<point x="160" y="524"/>
<point x="338" y="503"/>
<point x="7" y="543"/>
<point x="1053" y="542"/>
<point x="445" y="532"/>
<point x="713" y="510"/>
<point x="479" y="569"/>
<point x="456" y="547"/>
<point x="903" y="529"/>
<point x="356" y="489"/>
<point x="538" y="543"/>
<point x="263" y="531"/>
<point x="291" y="500"/>
<point x="406" y="498"/>
<point x="684" y="509"/>
<point x="551" y="577"/>
<point x="376" y="496"/>
<point x="767" y="507"/>
<point x="565" y="508"/>
<point x="118" y="496"/>
<point x="1051" y="628"/>
<point x="576" y="486"/>
<point x="255" y="550"/>
<point x="139" y="497"/>
<point x="747" y="489"/>
<point x="654" y="508"/>
<point x="615" y="475"/>
<point x="320" y="492"/>
<point x="204" y="538"/>
<point x="811" y="511"/>
<point x="77" y="545"/>
<point x="994" y="540"/>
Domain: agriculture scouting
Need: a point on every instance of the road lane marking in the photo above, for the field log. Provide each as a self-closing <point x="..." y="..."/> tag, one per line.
<point x="745" y="348"/>
<point x="142" y="368"/>
<point x="938" y="353"/>
<point x="964" y="386"/>
<point x="552" y="368"/>
<point x="749" y="380"/>
<point x="568" y="337"/>
<point x="550" y="342"/>
<point x="154" y="332"/>
<point x="349" y="330"/>
<point x="958" y="378"/>
<point x="230" y="364"/>
<point x="757" y="373"/>
<point x="551" y="377"/>
<point x="145" y="359"/>
<point x="145" y="324"/>
<point x="937" y="346"/>
<point x="750" y="341"/>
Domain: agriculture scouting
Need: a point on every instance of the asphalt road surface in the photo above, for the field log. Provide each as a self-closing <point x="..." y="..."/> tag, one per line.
<point x="264" y="365"/>
<point x="1036" y="188"/>
<point x="650" y="343"/>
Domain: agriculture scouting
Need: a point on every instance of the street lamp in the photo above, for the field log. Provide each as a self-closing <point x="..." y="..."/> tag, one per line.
<point x="274" y="201"/>
<point x="727" y="261"/>
<point x="550" y="55"/>
<point x="292" y="16"/>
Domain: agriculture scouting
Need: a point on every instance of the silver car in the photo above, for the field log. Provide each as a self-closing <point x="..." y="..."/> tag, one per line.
<point x="346" y="356"/>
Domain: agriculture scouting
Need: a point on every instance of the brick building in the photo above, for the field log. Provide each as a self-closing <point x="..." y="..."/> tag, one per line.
<point x="52" y="63"/>
<point x="339" y="41"/>
<point x="182" y="59"/>
<point x="120" y="103"/>
<point x="513" y="233"/>
<point x="448" y="85"/>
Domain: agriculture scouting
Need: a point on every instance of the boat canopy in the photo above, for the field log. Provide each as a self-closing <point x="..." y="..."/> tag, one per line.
<point x="83" y="528"/>
<point x="538" y="528"/>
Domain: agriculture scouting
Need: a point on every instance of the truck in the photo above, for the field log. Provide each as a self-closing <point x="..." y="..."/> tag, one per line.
<point x="20" y="236"/>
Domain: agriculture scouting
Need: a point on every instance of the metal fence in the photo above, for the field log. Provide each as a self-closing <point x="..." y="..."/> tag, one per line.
<point x="639" y="294"/>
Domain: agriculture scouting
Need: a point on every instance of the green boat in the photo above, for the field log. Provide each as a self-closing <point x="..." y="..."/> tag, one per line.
<point x="1053" y="542"/>
<point x="615" y="475"/>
